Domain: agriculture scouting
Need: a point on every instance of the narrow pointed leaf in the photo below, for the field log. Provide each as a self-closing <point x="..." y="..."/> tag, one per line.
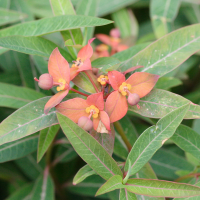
<point x="45" y="139"/>
<point x="89" y="149"/>
<point x="32" y="45"/>
<point x="176" y="48"/>
<point x="53" y="24"/>
<point x="126" y="195"/>
<point x="8" y="16"/>
<point x="153" y="138"/>
<point x="159" y="103"/>
<point x="15" y="97"/>
<point x="82" y="174"/>
<point x="113" y="183"/>
<point x="18" y="149"/>
<point x="26" y="120"/>
<point x="188" y="140"/>
<point x="158" y="188"/>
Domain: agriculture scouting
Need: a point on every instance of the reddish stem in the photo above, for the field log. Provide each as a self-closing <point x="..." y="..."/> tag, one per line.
<point x="196" y="175"/>
<point x="36" y="79"/>
<point x="95" y="87"/>
<point x="72" y="89"/>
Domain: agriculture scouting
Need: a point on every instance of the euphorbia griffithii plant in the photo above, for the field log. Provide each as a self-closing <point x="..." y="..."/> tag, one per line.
<point x="93" y="108"/>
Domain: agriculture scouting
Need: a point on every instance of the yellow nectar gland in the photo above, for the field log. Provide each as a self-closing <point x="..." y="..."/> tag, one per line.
<point x="124" y="88"/>
<point x="77" y="63"/>
<point x="61" y="86"/>
<point x="102" y="79"/>
<point x="92" y="110"/>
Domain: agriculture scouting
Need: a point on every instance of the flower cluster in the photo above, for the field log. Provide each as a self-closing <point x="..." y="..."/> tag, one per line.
<point x="102" y="108"/>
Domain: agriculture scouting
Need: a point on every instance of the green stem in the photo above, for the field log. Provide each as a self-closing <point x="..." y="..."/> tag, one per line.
<point x="95" y="87"/>
<point x="123" y="135"/>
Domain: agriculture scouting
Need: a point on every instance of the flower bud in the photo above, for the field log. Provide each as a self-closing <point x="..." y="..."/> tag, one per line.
<point x="115" y="33"/>
<point x="85" y="123"/>
<point x="133" y="99"/>
<point x="45" y="81"/>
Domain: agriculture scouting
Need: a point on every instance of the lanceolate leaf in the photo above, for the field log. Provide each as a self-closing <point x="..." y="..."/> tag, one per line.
<point x="176" y="48"/>
<point x="15" y="97"/>
<point x="153" y="138"/>
<point x="18" y="149"/>
<point x="126" y="195"/>
<point x="26" y="120"/>
<point x="46" y="138"/>
<point x="8" y="16"/>
<point x="188" y="140"/>
<point x="159" y="188"/>
<point x="166" y="83"/>
<point x="158" y="103"/>
<point x="89" y="149"/>
<point x="53" y="24"/>
<point x="32" y="45"/>
<point x="3" y="50"/>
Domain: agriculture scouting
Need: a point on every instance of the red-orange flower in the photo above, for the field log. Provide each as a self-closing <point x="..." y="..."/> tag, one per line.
<point x="113" y="40"/>
<point x="59" y="69"/>
<point x="138" y="84"/>
<point x="82" y="62"/>
<point x="92" y="107"/>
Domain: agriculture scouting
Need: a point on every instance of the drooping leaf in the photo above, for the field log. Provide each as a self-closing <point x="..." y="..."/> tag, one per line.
<point x="89" y="149"/>
<point x="10" y="16"/>
<point x="154" y="137"/>
<point x="32" y="45"/>
<point x="82" y="174"/>
<point x="126" y="195"/>
<point x="26" y="120"/>
<point x="15" y="97"/>
<point x="159" y="102"/>
<point x="160" y="188"/>
<point x="163" y="14"/>
<point x="18" y="149"/>
<point x="188" y="140"/>
<point x="45" y="139"/>
<point x="176" y="48"/>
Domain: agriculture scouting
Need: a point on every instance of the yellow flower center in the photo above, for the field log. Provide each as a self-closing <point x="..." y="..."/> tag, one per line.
<point x="115" y="40"/>
<point x="124" y="88"/>
<point x="62" y="83"/>
<point x="102" y="79"/>
<point x="102" y="47"/>
<point x="92" y="110"/>
<point x="77" y="63"/>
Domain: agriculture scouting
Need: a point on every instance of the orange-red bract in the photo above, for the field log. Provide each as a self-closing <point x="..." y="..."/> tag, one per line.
<point x="82" y="62"/>
<point x="141" y="83"/>
<point x="59" y="69"/>
<point x="76" y="108"/>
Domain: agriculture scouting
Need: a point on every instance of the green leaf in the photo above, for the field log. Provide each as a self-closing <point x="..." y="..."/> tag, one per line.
<point x="166" y="83"/>
<point x="21" y="193"/>
<point x="32" y="45"/>
<point x="88" y="8"/>
<point x="126" y="22"/>
<point x="166" y="163"/>
<point x="106" y="64"/>
<point x="158" y="103"/>
<point x="113" y="183"/>
<point x="26" y="120"/>
<point x="153" y="138"/>
<point x="41" y="64"/>
<point x="18" y="149"/>
<point x="159" y="188"/>
<point x="82" y="81"/>
<point x="3" y="50"/>
<point x="82" y="174"/>
<point x="4" y="3"/>
<point x="106" y="7"/>
<point x="61" y="7"/>
<point x="45" y="139"/>
<point x="176" y="48"/>
<point x="89" y="149"/>
<point x="126" y="195"/>
<point x="15" y="97"/>
<point x="163" y="14"/>
<point x="53" y="24"/>
<point x="43" y="189"/>
<point x="188" y="140"/>
<point x="8" y="16"/>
